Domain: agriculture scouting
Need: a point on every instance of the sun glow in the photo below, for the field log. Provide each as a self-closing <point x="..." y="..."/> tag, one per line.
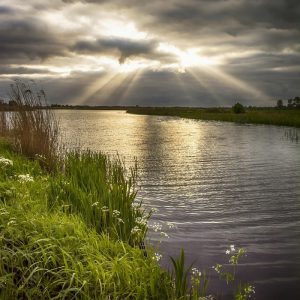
<point x="118" y="28"/>
<point x="186" y="58"/>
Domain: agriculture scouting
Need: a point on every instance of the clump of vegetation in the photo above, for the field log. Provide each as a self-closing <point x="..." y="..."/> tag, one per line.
<point x="243" y="290"/>
<point x="181" y="276"/>
<point x="3" y="124"/>
<point x="238" y="108"/>
<point x="102" y="191"/>
<point x="253" y="115"/>
<point x="54" y="253"/>
<point x="34" y="128"/>
<point x="292" y="103"/>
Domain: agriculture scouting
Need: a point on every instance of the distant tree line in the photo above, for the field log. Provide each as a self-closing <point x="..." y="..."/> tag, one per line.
<point x="12" y="105"/>
<point x="291" y="103"/>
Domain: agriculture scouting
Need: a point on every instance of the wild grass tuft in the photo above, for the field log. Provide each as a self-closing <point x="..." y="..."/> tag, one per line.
<point x="34" y="128"/>
<point x="102" y="191"/>
<point x="180" y="274"/>
<point x="3" y="124"/>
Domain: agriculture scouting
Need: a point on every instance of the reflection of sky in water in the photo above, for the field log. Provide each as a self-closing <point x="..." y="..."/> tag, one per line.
<point x="221" y="183"/>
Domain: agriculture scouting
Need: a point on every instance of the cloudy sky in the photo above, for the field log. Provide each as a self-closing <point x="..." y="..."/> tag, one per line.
<point x="135" y="52"/>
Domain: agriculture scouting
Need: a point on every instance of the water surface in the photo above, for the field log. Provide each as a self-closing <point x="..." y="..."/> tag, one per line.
<point x="220" y="183"/>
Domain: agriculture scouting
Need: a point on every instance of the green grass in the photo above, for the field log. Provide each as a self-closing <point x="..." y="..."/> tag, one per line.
<point x="269" y="116"/>
<point x="103" y="193"/>
<point x="49" y="252"/>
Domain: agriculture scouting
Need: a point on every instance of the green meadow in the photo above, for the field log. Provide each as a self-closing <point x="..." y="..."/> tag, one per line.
<point x="268" y="116"/>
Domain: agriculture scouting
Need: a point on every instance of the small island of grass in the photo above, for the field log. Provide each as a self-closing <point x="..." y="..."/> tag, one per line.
<point x="251" y="115"/>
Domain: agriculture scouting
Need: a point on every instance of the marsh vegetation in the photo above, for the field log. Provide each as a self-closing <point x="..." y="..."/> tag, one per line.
<point x="268" y="116"/>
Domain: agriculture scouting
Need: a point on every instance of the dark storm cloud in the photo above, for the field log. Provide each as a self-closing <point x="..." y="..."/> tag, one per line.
<point x="27" y="39"/>
<point x="266" y="61"/>
<point x="259" y="24"/>
<point x="260" y="42"/>
<point x="21" y="70"/>
<point x="123" y="47"/>
<point x="5" y="10"/>
<point x="202" y="22"/>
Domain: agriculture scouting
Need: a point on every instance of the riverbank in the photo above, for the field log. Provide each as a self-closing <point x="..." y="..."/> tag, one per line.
<point x="58" y="241"/>
<point x="79" y="233"/>
<point x="268" y="116"/>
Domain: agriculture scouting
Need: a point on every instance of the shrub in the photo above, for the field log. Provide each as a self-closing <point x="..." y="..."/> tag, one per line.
<point x="238" y="108"/>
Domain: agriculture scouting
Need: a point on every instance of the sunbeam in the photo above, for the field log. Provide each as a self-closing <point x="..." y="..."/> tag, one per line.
<point x="130" y="86"/>
<point x="94" y="88"/>
<point x="207" y="87"/>
<point x="237" y="83"/>
<point x="181" y="83"/>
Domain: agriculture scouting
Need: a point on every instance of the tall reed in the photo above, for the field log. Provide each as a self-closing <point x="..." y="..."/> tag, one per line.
<point x="3" y="124"/>
<point x="34" y="126"/>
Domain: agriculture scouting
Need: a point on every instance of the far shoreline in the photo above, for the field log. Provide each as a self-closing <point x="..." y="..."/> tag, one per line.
<point x="284" y="116"/>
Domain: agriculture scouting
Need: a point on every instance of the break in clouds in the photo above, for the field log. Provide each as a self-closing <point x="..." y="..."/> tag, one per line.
<point x="193" y="52"/>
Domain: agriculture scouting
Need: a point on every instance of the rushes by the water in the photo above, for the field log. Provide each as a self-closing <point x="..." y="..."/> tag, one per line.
<point x="102" y="192"/>
<point x="3" y="124"/>
<point x="34" y="128"/>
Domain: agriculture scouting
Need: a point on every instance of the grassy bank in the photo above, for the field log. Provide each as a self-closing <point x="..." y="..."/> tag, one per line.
<point x="56" y="243"/>
<point x="77" y="234"/>
<point x="269" y="116"/>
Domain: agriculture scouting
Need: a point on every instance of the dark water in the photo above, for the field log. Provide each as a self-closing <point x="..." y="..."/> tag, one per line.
<point x="220" y="183"/>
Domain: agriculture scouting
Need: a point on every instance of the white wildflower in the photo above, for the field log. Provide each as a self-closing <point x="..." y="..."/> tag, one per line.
<point x="156" y="227"/>
<point x="250" y="289"/>
<point x="157" y="257"/>
<point x="141" y="221"/>
<point x="154" y="209"/>
<point x="104" y="208"/>
<point x="120" y="220"/>
<point x="196" y="272"/>
<point x="25" y="178"/>
<point x="232" y="249"/>
<point x="95" y="204"/>
<point x="217" y="268"/>
<point x="135" y="205"/>
<point x="135" y="230"/>
<point x="170" y="225"/>
<point x="227" y="251"/>
<point x="116" y="213"/>
<point x="6" y="162"/>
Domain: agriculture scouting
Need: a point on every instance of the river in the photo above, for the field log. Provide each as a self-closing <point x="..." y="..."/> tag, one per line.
<point x="218" y="183"/>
